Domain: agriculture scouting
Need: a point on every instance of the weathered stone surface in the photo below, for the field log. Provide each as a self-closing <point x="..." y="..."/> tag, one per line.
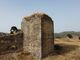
<point x="34" y="43"/>
<point x="38" y="35"/>
<point x="11" y="43"/>
<point x="16" y="56"/>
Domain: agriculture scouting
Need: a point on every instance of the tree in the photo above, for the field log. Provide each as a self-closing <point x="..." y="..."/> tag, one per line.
<point x="13" y="30"/>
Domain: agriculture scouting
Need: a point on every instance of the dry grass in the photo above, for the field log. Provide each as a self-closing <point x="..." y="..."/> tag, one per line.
<point x="69" y="50"/>
<point x="64" y="49"/>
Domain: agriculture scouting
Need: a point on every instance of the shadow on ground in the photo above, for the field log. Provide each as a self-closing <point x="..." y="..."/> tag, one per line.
<point x="63" y="48"/>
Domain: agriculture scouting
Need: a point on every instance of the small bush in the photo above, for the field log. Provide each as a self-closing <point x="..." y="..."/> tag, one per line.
<point x="79" y="38"/>
<point x="57" y="47"/>
<point x="69" y="36"/>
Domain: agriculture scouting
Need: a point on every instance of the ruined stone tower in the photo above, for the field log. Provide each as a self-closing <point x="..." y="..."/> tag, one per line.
<point x="38" y="35"/>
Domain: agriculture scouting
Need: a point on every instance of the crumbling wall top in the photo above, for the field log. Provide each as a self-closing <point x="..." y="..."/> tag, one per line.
<point x="40" y="15"/>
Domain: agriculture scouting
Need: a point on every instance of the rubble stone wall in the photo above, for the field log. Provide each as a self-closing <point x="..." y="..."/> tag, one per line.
<point x="38" y="35"/>
<point x="35" y="40"/>
<point x="11" y="43"/>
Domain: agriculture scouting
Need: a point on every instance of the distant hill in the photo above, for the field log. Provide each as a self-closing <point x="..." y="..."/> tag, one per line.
<point x="3" y="34"/>
<point x="65" y="33"/>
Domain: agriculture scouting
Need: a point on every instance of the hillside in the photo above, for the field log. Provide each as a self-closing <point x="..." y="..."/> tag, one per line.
<point x="3" y="34"/>
<point x="64" y="34"/>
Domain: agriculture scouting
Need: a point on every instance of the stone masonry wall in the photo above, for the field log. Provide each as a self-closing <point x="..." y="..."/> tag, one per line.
<point x="34" y="42"/>
<point x="31" y="27"/>
<point x="10" y="44"/>
<point x="38" y="35"/>
<point x="47" y="35"/>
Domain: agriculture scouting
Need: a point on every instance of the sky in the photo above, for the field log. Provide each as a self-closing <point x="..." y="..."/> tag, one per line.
<point x="64" y="13"/>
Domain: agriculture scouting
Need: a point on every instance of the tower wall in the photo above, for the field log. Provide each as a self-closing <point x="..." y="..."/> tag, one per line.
<point x="38" y="35"/>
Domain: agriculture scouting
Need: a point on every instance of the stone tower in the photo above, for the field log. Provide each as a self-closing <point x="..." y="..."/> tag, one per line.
<point x="38" y="35"/>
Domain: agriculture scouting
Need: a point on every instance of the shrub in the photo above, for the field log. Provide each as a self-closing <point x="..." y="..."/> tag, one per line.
<point x="69" y="36"/>
<point x="57" y="47"/>
<point x="79" y="37"/>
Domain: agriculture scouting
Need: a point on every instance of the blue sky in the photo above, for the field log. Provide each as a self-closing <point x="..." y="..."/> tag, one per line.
<point x="65" y="13"/>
